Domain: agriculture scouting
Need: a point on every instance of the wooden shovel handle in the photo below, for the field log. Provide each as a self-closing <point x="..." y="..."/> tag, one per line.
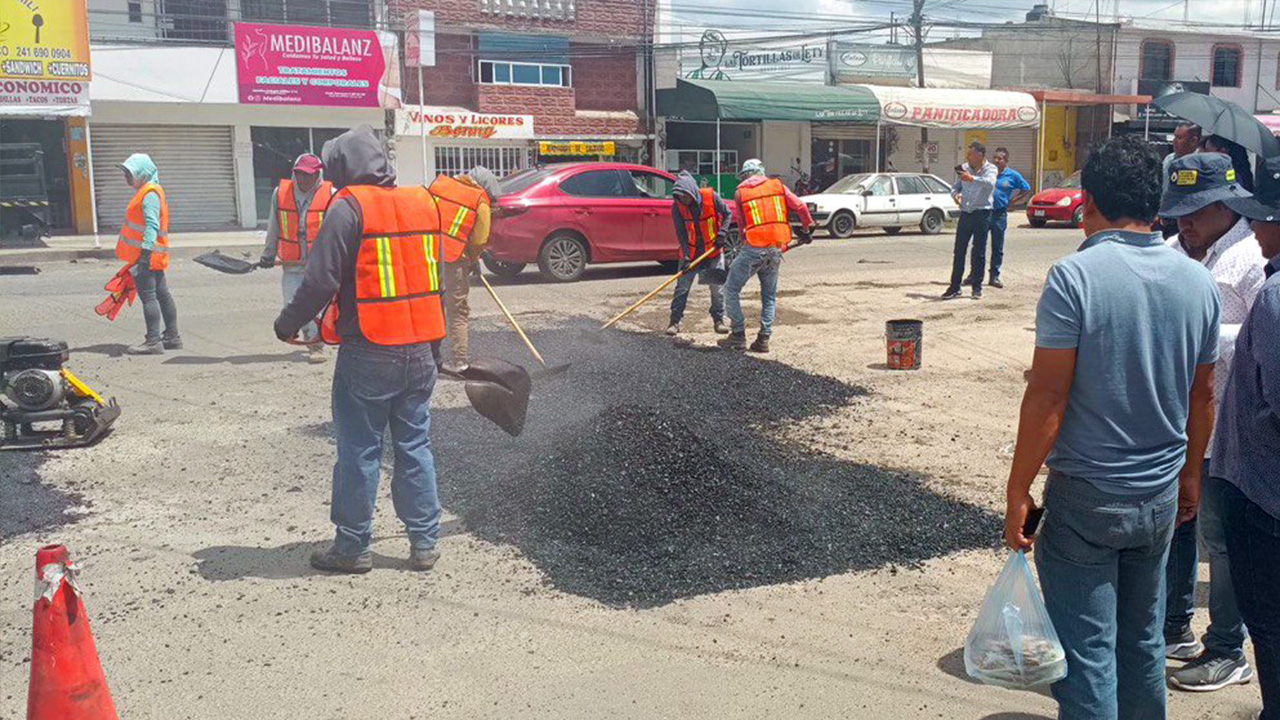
<point x="658" y="289"/>
<point x="528" y="343"/>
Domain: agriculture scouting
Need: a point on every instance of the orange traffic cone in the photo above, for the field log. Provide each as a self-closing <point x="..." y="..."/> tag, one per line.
<point x="66" y="678"/>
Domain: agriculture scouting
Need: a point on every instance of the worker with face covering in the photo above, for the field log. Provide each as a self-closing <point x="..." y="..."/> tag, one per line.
<point x="297" y="208"/>
<point x="699" y="215"/>
<point x="144" y="242"/>
<point x="464" y="203"/>
<point x="380" y="250"/>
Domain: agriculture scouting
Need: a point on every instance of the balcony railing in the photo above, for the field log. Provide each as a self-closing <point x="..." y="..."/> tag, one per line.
<point x="212" y="21"/>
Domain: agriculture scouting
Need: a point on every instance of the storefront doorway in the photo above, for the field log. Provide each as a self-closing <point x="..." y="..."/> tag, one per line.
<point x="34" y="169"/>
<point x="274" y="151"/>
<point x="835" y="159"/>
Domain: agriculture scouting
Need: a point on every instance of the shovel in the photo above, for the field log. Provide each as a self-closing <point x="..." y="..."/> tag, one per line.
<point x="546" y="369"/>
<point x="499" y="391"/>
<point x="225" y="263"/>
<point x="667" y="283"/>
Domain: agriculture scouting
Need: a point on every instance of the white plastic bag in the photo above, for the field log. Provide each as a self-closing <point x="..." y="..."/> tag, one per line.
<point x="1013" y="643"/>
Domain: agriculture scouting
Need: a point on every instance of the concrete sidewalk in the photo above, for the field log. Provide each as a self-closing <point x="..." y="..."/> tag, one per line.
<point x="76" y="247"/>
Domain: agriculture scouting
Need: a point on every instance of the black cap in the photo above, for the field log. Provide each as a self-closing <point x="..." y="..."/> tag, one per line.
<point x="1265" y="203"/>
<point x="1197" y="181"/>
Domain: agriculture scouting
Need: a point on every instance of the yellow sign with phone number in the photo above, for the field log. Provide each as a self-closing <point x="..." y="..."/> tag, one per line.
<point x="44" y="40"/>
<point x="577" y="148"/>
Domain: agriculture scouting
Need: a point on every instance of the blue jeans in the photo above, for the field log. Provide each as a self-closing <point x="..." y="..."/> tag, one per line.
<point x="764" y="262"/>
<point x="375" y="386"/>
<point x="1101" y="559"/>
<point x="289" y="283"/>
<point x="681" y="299"/>
<point x="157" y="303"/>
<point x="999" y="225"/>
<point x="1226" y="632"/>
<point x="1253" y="541"/>
<point x="973" y="226"/>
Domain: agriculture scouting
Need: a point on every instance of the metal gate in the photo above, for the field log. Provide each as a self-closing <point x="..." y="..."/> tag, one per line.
<point x="197" y="171"/>
<point x="501" y="160"/>
<point x="1021" y="144"/>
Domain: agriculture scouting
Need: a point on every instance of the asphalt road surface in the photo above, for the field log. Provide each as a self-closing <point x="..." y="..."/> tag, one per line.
<point x="194" y="520"/>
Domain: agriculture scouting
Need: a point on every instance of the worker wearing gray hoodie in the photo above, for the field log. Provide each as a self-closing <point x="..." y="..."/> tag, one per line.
<point x="698" y="214"/>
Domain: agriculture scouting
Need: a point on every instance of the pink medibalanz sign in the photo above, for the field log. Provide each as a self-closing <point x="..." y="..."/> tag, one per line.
<point x="292" y="65"/>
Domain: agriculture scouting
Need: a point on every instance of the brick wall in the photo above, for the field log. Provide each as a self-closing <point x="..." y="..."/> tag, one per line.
<point x="451" y="81"/>
<point x="554" y="111"/>
<point x="604" y="81"/>
<point x="617" y="19"/>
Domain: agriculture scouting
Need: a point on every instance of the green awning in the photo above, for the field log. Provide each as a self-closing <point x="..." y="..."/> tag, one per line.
<point x="731" y="100"/>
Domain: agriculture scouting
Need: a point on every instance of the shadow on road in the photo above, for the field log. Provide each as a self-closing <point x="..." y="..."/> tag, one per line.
<point x="1016" y="716"/>
<point x="114" y="350"/>
<point x="600" y="272"/>
<point x="296" y="357"/>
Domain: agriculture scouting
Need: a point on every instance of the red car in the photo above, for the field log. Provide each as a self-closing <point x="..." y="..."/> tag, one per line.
<point x="566" y="216"/>
<point x="1064" y="203"/>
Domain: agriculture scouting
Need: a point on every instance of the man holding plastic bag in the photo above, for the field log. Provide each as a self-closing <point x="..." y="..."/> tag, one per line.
<point x="1120" y="401"/>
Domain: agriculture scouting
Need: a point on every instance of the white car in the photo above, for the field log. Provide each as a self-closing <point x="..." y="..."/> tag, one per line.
<point x="886" y="200"/>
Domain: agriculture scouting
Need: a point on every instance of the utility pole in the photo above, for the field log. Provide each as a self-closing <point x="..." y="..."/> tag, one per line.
<point x="917" y="25"/>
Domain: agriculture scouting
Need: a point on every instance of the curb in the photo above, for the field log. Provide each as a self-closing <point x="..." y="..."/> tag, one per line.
<point x="34" y="256"/>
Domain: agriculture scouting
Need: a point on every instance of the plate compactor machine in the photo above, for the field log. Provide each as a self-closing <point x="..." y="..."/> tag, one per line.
<point x="42" y="405"/>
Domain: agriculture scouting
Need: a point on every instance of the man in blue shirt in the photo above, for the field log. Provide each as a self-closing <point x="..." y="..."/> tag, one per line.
<point x="1011" y="189"/>
<point x="1120" y="401"/>
<point x="1246" y="451"/>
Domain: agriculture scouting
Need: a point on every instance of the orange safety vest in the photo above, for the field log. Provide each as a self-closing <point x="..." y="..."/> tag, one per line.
<point x="708" y="221"/>
<point x="458" y="203"/>
<point x="397" y="268"/>
<point x="289" y="247"/>
<point x="764" y="214"/>
<point x="129" y="244"/>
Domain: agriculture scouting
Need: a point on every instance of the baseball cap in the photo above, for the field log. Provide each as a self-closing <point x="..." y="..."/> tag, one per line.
<point x="1265" y="203"/>
<point x="308" y="163"/>
<point x="1197" y="181"/>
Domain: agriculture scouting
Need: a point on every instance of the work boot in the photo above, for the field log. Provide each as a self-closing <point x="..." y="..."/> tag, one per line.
<point x="761" y="345"/>
<point x="673" y="329"/>
<point x="453" y="367"/>
<point x="1211" y="671"/>
<point x="316" y="354"/>
<point x="996" y="282"/>
<point x="422" y="559"/>
<point x="721" y="328"/>
<point x="1182" y="645"/>
<point x="734" y="341"/>
<point x="172" y="342"/>
<point x="146" y="348"/>
<point x="332" y="561"/>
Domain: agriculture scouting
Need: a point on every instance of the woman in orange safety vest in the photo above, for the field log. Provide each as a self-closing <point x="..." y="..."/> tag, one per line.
<point x="144" y="244"/>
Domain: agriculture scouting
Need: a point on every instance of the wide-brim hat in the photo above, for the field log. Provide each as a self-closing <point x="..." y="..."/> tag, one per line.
<point x="1265" y="203"/>
<point x="1197" y="181"/>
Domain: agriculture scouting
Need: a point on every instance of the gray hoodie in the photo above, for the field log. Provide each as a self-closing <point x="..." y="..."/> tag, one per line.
<point x="356" y="157"/>
<point x="687" y="185"/>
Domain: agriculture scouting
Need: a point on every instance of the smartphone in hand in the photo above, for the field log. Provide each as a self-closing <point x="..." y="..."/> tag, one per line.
<point x="1033" y="521"/>
<point x="960" y="169"/>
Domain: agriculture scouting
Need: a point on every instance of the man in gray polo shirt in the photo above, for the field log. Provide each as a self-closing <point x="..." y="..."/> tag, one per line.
<point x="1120" y="401"/>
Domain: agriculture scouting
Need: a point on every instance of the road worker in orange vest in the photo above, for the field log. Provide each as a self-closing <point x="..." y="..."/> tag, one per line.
<point x="464" y="204"/>
<point x="297" y="208"/>
<point x="699" y="215"/>
<point x="761" y="209"/>
<point x="380" y="257"/>
<point x="144" y="242"/>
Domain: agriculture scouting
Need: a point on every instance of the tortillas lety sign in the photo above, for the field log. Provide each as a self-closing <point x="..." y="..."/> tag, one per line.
<point x="295" y="65"/>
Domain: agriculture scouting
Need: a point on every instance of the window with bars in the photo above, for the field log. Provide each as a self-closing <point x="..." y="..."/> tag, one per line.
<point x="502" y="161"/>
<point x="1227" y="60"/>
<point x="333" y="13"/>
<point x="1157" y="60"/>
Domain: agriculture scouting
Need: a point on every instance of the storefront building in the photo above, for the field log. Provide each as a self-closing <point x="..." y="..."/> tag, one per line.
<point x="44" y="104"/>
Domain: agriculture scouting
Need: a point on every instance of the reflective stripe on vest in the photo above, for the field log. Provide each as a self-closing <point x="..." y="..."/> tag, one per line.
<point x="129" y="244"/>
<point x="765" y="214"/>
<point x="458" y="203"/>
<point x="708" y="220"/>
<point x="397" y="278"/>
<point x="288" y="244"/>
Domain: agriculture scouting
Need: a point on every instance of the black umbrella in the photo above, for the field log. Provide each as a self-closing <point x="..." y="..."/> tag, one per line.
<point x="1222" y="118"/>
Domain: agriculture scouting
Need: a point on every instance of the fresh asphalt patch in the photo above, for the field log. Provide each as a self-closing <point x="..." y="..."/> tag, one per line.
<point x="650" y="473"/>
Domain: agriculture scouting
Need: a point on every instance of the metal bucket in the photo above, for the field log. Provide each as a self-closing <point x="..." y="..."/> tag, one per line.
<point x="904" y="340"/>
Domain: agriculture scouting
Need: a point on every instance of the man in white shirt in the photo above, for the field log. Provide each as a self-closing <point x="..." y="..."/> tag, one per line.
<point x="1210" y="232"/>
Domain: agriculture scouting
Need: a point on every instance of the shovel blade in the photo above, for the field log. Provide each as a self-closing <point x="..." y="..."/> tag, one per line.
<point x="499" y="391"/>
<point x="225" y="263"/>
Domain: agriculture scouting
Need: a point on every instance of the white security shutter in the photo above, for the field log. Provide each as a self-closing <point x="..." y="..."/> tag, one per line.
<point x="197" y="170"/>
<point x="843" y="131"/>
<point x="1021" y="143"/>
